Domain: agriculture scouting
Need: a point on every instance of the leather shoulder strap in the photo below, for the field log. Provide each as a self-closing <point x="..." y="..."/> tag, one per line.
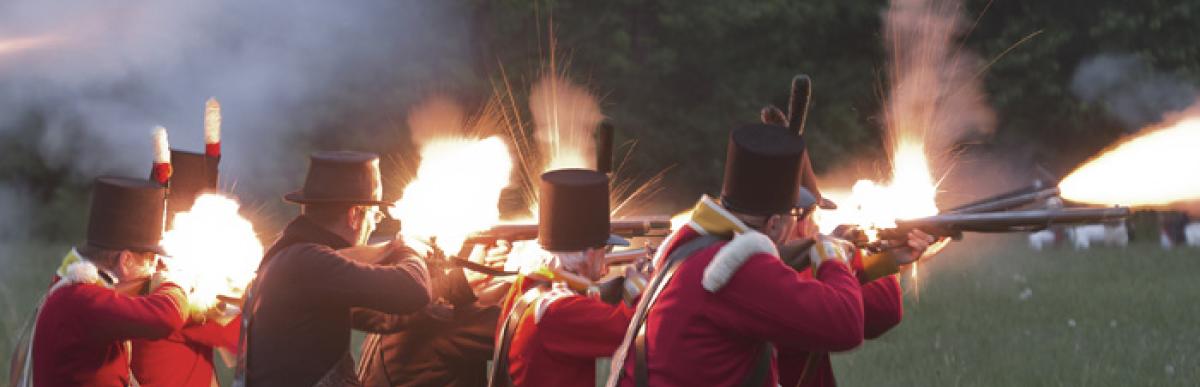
<point x="636" y="331"/>
<point x="499" y="376"/>
<point x="761" y="367"/>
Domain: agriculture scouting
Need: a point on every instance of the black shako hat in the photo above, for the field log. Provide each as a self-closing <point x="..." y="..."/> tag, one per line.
<point x="573" y="211"/>
<point x="126" y="214"/>
<point x="762" y="170"/>
<point x="192" y="174"/>
<point x="341" y="177"/>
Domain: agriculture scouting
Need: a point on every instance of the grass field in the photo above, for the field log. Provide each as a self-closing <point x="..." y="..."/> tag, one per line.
<point x="987" y="312"/>
<point x="996" y="314"/>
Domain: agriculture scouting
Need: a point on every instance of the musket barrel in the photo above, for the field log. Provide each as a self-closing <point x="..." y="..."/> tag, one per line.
<point x="1014" y="220"/>
<point x="648" y="227"/>
<point x="1005" y="202"/>
<point x="625" y="256"/>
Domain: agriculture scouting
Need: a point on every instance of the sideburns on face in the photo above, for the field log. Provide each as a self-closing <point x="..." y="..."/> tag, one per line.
<point x="366" y="225"/>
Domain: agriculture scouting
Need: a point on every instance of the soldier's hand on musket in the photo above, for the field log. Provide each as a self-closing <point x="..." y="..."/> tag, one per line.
<point x="497" y="254"/>
<point x="912" y="249"/>
<point x="221" y="313"/>
<point x="489" y="290"/>
<point x="231" y="300"/>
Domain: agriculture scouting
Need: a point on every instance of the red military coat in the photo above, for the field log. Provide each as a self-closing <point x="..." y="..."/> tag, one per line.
<point x="82" y="330"/>
<point x="883" y="309"/>
<point x="560" y="337"/>
<point x="185" y="358"/>
<point x="709" y="322"/>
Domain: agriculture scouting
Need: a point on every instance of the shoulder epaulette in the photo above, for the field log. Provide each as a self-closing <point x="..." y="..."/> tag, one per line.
<point x="732" y="256"/>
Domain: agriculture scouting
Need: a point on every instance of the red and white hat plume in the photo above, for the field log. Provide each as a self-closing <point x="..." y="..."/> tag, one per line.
<point x="212" y="128"/>
<point x="161" y="171"/>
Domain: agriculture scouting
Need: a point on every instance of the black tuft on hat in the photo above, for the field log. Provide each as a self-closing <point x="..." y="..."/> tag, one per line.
<point x="762" y="170"/>
<point x="126" y="214"/>
<point x="573" y="211"/>
<point x="341" y="177"/>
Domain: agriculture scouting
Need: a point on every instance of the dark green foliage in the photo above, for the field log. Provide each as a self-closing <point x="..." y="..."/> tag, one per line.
<point x="677" y="75"/>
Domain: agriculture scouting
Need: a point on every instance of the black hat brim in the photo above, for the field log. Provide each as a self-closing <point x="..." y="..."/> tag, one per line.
<point x="299" y="198"/>
<point x="157" y="249"/>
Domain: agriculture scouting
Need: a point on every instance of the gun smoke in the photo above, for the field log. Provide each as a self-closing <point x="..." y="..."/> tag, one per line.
<point x="1130" y="89"/>
<point x="104" y="74"/>
<point x="83" y="83"/>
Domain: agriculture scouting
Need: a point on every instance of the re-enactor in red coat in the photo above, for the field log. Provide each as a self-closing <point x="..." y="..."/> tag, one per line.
<point x="882" y="303"/>
<point x="559" y="339"/>
<point x="185" y="358"/>
<point x="83" y="331"/>
<point x="553" y="324"/>
<point x="706" y="328"/>
<point x="94" y="307"/>
<point x="712" y="322"/>
<point x="883" y="306"/>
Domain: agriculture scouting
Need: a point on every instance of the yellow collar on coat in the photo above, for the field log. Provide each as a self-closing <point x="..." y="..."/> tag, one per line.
<point x="709" y="218"/>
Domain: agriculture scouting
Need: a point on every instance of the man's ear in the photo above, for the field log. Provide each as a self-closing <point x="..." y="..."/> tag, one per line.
<point x="771" y="225"/>
<point x="352" y="218"/>
<point x="126" y="261"/>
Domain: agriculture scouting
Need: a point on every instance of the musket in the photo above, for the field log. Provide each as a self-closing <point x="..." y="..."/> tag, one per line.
<point x="628" y="256"/>
<point x="652" y="227"/>
<point x="1006" y="203"/>
<point x="616" y="258"/>
<point x="1034" y="193"/>
<point x="955" y="224"/>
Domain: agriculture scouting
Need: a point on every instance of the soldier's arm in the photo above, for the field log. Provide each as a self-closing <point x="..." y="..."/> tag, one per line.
<point x="883" y="306"/>
<point x="215" y="335"/>
<point x="767" y="300"/>
<point x="584" y="326"/>
<point x="329" y="277"/>
<point x="118" y="316"/>
<point x="371" y="321"/>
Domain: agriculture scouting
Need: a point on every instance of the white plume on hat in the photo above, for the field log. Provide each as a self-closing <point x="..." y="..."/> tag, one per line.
<point x="162" y="150"/>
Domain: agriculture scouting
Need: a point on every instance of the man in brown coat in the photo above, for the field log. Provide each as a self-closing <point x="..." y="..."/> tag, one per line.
<point x="297" y="319"/>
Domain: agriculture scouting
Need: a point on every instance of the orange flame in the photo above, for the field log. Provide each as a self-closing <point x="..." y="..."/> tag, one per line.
<point x="215" y="247"/>
<point x="1142" y="171"/>
<point x="870" y="205"/>
<point x="456" y="190"/>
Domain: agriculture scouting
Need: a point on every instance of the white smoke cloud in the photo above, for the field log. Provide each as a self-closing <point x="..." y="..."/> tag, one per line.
<point x="105" y="73"/>
<point x="1130" y="89"/>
